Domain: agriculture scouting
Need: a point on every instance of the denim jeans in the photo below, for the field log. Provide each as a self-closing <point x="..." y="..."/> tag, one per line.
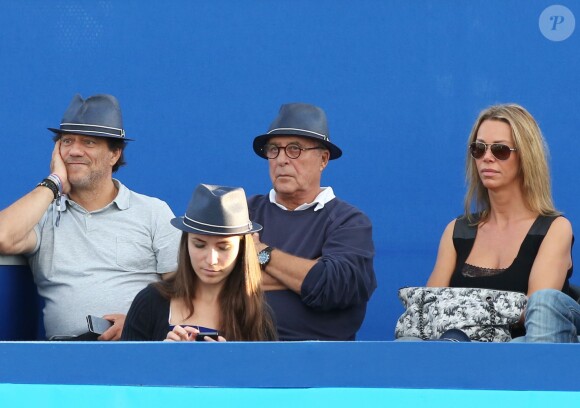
<point x="552" y="316"/>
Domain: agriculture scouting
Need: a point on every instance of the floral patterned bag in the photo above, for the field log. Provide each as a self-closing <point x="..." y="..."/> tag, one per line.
<point x="483" y="314"/>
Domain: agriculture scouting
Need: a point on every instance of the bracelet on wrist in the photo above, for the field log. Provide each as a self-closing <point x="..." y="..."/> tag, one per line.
<point x="56" y="179"/>
<point x="51" y="185"/>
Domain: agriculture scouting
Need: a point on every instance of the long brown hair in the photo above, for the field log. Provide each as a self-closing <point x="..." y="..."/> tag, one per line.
<point x="243" y="315"/>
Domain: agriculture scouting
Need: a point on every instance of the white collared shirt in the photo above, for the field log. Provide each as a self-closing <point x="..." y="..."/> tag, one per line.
<point x="325" y="196"/>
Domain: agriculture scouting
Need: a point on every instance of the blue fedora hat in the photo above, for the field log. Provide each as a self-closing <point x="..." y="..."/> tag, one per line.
<point x="217" y="210"/>
<point x="98" y="116"/>
<point x="299" y="119"/>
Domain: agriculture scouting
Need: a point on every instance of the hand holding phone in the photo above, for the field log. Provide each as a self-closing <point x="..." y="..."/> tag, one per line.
<point x="98" y="325"/>
<point x="201" y="336"/>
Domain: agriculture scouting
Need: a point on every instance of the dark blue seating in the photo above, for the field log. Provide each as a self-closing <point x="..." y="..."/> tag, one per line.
<point x="20" y="306"/>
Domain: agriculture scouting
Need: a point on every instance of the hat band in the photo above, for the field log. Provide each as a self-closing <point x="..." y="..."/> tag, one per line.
<point x="324" y="137"/>
<point x="217" y="229"/>
<point x="98" y="129"/>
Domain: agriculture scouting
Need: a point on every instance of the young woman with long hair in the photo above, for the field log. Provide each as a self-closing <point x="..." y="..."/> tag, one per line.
<point x="216" y="287"/>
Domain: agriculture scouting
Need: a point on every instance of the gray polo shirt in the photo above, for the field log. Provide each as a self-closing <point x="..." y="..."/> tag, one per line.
<point x="96" y="262"/>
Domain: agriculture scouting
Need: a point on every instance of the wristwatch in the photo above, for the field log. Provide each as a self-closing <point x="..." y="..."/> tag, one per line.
<point x="264" y="256"/>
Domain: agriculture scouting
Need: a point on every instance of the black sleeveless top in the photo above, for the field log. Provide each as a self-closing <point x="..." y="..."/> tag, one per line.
<point x="516" y="276"/>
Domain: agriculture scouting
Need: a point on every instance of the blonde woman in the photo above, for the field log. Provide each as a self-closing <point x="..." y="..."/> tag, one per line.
<point x="515" y="240"/>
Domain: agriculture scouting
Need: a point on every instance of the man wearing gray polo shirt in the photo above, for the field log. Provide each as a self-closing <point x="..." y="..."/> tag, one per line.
<point x="92" y="244"/>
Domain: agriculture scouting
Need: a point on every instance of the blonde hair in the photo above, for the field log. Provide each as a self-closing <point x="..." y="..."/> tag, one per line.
<point x="532" y="152"/>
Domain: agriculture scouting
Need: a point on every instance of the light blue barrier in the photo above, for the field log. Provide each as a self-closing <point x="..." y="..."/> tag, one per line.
<point x="417" y="365"/>
<point x="103" y="396"/>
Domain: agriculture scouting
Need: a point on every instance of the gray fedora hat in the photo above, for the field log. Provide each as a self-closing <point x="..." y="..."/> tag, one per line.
<point x="299" y="119"/>
<point x="217" y="210"/>
<point x="98" y="116"/>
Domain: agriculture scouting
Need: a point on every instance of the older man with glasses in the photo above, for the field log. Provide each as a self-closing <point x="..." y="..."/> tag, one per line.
<point x="316" y="251"/>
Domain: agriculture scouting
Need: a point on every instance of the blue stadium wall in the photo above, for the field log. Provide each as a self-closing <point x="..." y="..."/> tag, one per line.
<point x="402" y="83"/>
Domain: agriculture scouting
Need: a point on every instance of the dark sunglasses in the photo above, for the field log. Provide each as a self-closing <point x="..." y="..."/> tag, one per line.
<point x="499" y="151"/>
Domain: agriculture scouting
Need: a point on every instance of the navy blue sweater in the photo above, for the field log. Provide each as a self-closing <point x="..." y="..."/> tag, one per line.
<point x="335" y="292"/>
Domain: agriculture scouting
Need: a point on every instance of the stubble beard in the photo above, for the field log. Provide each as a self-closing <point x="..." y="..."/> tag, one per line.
<point x="87" y="182"/>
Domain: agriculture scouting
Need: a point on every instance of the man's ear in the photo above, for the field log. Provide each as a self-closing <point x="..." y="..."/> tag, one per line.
<point x="325" y="156"/>
<point x="116" y="154"/>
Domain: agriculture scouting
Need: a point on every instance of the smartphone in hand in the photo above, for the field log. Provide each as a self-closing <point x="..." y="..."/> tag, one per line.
<point x="201" y="336"/>
<point x="98" y="325"/>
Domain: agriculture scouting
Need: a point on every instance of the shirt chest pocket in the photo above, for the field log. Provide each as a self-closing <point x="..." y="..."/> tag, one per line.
<point x="135" y="255"/>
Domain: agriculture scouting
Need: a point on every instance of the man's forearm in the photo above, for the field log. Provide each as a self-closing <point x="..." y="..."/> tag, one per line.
<point x="288" y="269"/>
<point x="18" y="220"/>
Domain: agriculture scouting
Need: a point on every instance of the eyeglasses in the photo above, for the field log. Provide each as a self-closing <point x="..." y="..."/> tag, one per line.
<point x="499" y="151"/>
<point x="293" y="151"/>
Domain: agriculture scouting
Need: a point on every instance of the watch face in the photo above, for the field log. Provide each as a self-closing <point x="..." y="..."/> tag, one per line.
<point x="263" y="257"/>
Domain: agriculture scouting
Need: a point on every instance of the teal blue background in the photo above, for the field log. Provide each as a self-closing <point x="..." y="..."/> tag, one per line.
<point x="120" y="396"/>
